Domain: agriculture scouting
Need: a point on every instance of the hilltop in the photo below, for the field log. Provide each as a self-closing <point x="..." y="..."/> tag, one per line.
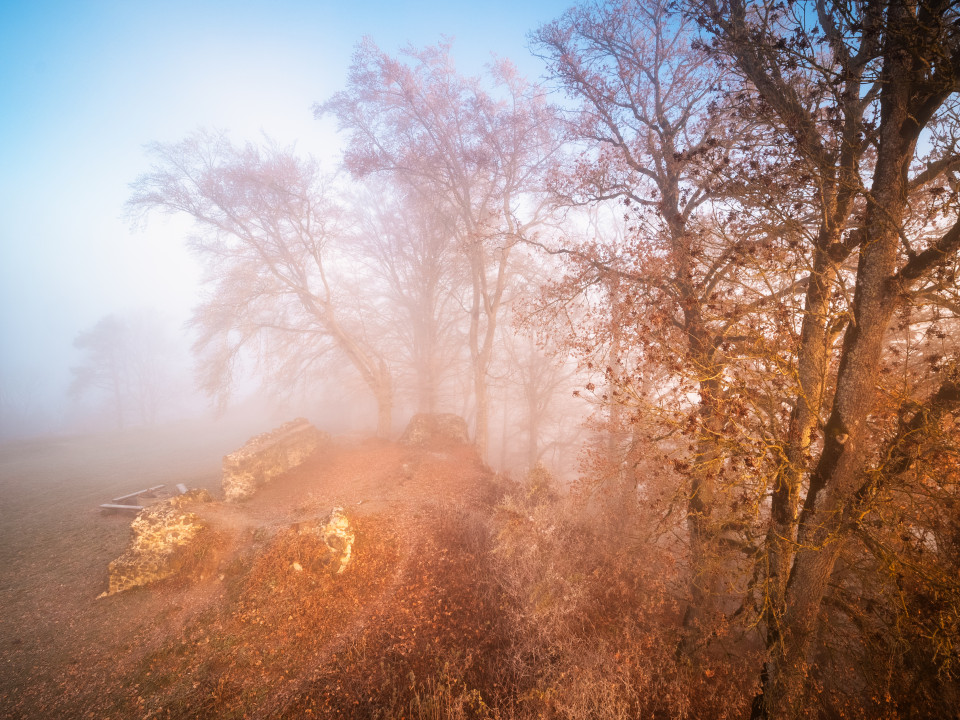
<point x="466" y="595"/>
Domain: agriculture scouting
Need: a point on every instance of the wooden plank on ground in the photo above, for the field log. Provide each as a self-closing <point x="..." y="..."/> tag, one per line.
<point x="115" y="506"/>
<point x="147" y="491"/>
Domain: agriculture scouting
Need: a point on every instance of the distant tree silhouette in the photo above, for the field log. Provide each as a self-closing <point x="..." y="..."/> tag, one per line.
<point x="126" y="359"/>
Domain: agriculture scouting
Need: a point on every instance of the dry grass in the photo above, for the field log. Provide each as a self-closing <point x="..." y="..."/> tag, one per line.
<point x="596" y="625"/>
<point x="459" y="603"/>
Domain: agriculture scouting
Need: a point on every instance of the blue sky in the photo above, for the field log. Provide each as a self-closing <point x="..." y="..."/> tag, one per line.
<point x="84" y="85"/>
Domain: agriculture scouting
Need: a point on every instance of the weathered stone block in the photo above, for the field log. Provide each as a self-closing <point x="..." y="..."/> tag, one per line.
<point x="268" y="455"/>
<point x="440" y="429"/>
<point x="163" y="536"/>
<point x="336" y="536"/>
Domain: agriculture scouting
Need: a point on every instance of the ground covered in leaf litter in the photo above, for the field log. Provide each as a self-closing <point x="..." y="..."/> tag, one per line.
<point x="246" y="634"/>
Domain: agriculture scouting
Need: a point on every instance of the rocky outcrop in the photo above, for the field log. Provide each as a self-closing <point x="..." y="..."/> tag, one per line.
<point x="431" y="430"/>
<point x="164" y="536"/>
<point x="335" y="535"/>
<point x="268" y="455"/>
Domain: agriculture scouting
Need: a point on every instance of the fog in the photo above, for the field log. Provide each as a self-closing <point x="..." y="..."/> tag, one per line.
<point x="629" y="362"/>
<point x="86" y="86"/>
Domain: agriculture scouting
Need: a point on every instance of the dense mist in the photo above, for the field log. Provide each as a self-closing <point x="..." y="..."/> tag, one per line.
<point x="514" y="362"/>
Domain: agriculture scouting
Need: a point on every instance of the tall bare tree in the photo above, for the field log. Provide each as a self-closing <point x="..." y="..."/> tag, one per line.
<point x="759" y="256"/>
<point x="648" y="112"/>
<point x="480" y="153"/>
<point x="408" y="246"/>
<point x="265" y="223"/>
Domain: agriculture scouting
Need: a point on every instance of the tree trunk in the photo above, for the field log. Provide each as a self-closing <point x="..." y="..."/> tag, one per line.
<point x="700" y="505"/>
<point x="482" y="409"/>
<point x="825" y="521"/>
<point x="426" y="362"/>
<point x="484" y="307"/>
<point x="812" y="367"/>
<point x="533" y="428"/>
<point x="372" y="369"/>
<point x="426" y="389"/>
<point x="384" y="417"/>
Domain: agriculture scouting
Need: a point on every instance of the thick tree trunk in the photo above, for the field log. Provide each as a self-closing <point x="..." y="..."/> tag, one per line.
<point x="825" y="520"/>
<point x="484" y="309"/>
<point x="425" y="351"/>
<point x="373" y="370"/>
<point x="426" y="388"/>
<point x="700" y="505"/>
<point x="384" y="417"/>
<point x="813" y="363"/>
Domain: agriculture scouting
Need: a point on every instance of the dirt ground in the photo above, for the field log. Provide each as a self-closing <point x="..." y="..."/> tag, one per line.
<point x="55" y="545"/>
<point x="66" y="653"/>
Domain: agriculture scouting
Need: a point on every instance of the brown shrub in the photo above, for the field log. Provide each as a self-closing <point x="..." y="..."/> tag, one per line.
<point x="596" y="626"/>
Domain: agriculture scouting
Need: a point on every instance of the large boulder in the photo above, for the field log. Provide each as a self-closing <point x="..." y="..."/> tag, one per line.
<point x="164" y="536"/>
<point x="435" y="429"/>
<point x="265" y="456"/>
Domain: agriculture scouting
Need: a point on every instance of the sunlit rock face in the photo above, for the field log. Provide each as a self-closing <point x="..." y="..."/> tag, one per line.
<point x="268" y="455"/>
<point x="336" y="538"/>
<point x="163" y="537"/>
<point x="427" y="429"/>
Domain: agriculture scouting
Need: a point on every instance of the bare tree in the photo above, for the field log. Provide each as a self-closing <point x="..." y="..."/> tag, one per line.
<point x="852" y="89"/>
<point x="408" y="246"/>
<point x="265" y="224"/>
<point x="749" y="266"/>
<point x="650" y="116"/>
<point x="479" y="153"/>
<point x="127" y="359"/>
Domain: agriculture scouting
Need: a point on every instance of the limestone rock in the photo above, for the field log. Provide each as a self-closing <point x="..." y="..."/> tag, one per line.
<point x="336" y="534"/>
<point x="265" y="456"/>
<point x="163" y="537"/>
<point x="440" y="429"/>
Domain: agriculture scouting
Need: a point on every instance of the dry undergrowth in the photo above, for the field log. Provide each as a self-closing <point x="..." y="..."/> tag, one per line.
<point x="409" y="619"/>
<point x="467" y="596"/>
<point x="446" y="611"/>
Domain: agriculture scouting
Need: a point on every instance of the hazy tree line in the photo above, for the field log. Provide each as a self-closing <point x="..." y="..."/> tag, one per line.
<point x="131" y="369"/>
<point x="410" y="273"/>
<point x="740" y="219"/>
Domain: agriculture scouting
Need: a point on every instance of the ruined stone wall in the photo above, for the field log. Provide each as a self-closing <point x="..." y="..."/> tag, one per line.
<point x="268" y="455"/>
<point x="440" y="429"/>
<point x="163" y="537"/>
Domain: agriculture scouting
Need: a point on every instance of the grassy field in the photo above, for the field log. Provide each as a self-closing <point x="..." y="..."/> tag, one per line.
<point x="55" y="542"/>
